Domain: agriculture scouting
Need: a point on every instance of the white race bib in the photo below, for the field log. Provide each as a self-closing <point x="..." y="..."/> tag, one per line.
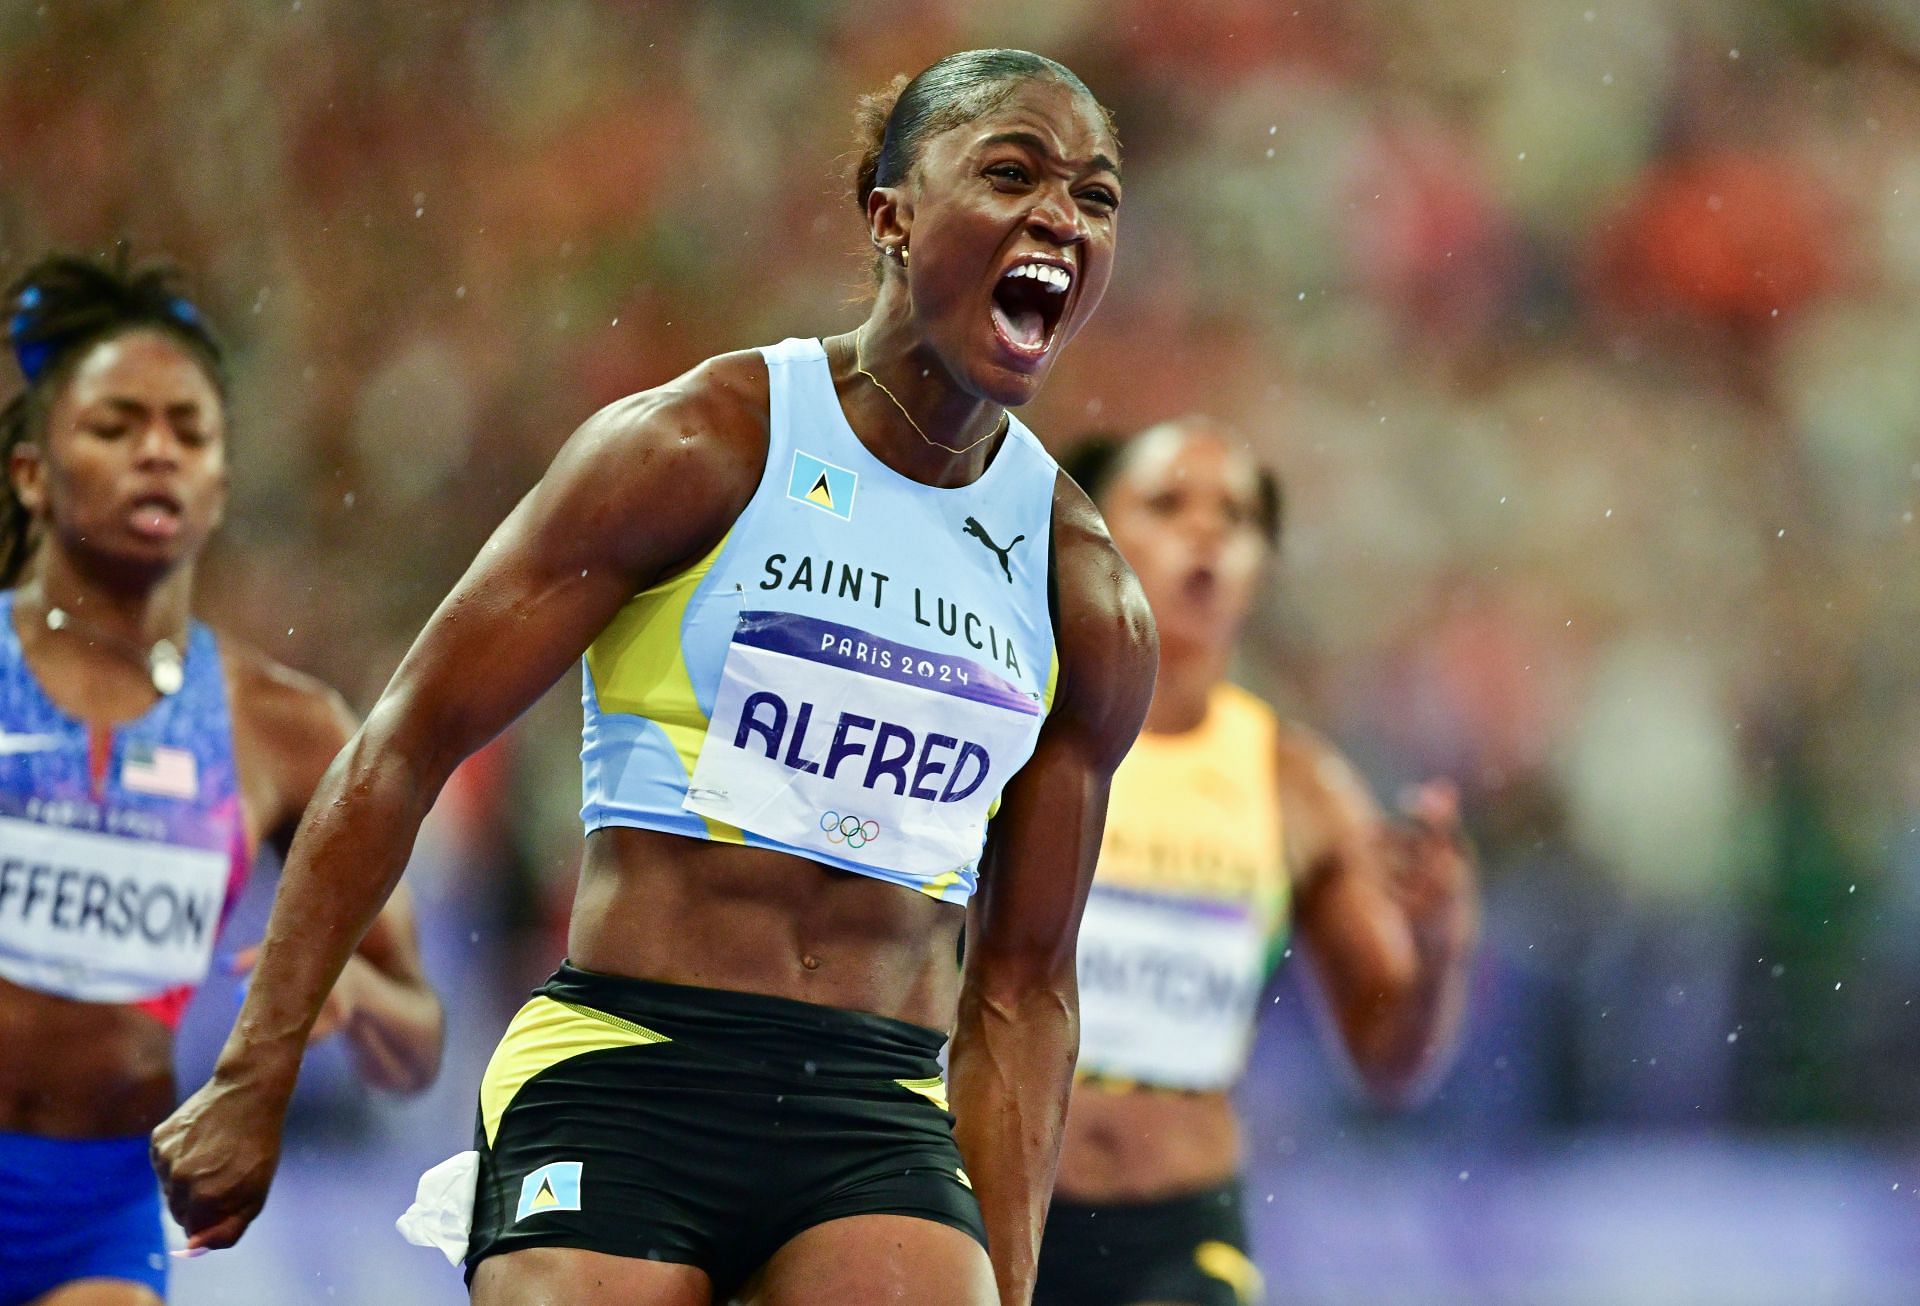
<point x="832" y="740"/>
<point x="1168" y="987"/>
<point x="103" y="918"/>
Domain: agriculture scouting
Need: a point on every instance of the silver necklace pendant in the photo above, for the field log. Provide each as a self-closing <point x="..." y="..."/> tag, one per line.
<point x="165" y="667"/>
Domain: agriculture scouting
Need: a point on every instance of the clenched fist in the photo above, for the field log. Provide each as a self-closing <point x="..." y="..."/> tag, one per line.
<point x="215" y="1156"/>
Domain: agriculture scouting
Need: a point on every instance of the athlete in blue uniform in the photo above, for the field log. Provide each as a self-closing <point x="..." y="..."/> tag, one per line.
<point x="142" y="762"/>
<point x="858" y="664"/>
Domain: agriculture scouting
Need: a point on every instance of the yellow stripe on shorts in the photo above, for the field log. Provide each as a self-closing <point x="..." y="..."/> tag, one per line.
<point x="544" y="1033"/>
<point x="1227" y="1263"/>
<point x="934" y="1090"/>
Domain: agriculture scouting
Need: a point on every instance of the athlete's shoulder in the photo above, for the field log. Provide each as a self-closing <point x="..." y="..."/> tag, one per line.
<point x="717" y="409"/>
<point x="1095" y="581"/>
<point x="692" y="448"/>
<point x="1241" y="708"/>
<point x="285" y="709"/>
<point x="659" y="474"/>
<point x="287" y="728"/>
<point x="1109" y="649"/>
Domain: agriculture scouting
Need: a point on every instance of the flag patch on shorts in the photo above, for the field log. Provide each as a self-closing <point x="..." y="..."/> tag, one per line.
<point x="554" y="1187"/>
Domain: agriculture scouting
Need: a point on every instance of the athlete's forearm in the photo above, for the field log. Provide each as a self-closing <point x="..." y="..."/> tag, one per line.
<point x="1012" y="1071"/>
<point x="1401" y="1036"/>
<point x="346" y="858"/>
<point x="1428" y="1028"/>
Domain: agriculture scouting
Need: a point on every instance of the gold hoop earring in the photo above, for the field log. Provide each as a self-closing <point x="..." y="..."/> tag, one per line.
<point x="901" y="250"/>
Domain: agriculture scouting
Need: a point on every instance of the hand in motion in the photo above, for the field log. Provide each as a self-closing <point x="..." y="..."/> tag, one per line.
<point x="392" y="1026"/>
<point x="216" y="1155"/>
<point x="1431" y="867"/>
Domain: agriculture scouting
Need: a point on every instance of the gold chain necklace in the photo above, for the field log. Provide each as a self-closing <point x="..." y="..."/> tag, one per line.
<point x="1005" y="418"/>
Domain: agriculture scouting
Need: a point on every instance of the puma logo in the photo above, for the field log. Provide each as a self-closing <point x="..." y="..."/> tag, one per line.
<point x="979" y="532"/>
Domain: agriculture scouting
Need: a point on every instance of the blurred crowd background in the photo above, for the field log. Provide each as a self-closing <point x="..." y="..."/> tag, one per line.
<point x="1584" y="333"/>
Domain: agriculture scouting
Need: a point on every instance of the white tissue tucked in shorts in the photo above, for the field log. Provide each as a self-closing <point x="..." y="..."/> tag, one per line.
<point x="442" y="1211"/>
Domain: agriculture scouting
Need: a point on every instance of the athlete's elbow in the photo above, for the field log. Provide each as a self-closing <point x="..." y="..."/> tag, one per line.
<point x="1395" y="1056"/>
<point x="403" y="744"/>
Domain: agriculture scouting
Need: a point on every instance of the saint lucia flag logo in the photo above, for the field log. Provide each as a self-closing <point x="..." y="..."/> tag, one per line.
<point x="553" y="1187"/>
<point x="820" y="483"/>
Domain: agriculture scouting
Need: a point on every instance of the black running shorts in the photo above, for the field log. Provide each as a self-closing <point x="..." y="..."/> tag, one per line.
<point x="706" y="1127"/>
<point x="1190" y="1249"/>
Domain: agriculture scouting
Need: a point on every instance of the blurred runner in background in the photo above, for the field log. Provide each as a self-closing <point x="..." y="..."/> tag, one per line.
<point x="143" y="761"/>
<point x="1225" y="821"/>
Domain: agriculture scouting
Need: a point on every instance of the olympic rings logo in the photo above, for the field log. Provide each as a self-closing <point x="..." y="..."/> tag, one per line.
<point x="849" y="830"/>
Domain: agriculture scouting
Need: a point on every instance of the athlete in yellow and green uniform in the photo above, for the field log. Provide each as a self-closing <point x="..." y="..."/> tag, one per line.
<point x="1226" y="824"/>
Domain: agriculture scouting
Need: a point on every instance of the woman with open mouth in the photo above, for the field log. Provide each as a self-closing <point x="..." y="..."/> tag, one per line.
<point x="1225" y="822"/>
<point x="143" y="761"/>
<point x="857" y="664"/>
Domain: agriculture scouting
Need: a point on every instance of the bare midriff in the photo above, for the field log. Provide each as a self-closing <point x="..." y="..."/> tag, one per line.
<point x="1135" y="1144"/>
<point x="80" y="1069"/>
<point x="686" y="911"/>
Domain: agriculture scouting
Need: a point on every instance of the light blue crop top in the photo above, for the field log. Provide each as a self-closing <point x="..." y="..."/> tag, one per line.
<point x="852" y="674"/>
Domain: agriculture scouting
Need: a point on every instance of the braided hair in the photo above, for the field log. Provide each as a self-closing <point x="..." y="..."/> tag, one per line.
<point x="56" y="312"/>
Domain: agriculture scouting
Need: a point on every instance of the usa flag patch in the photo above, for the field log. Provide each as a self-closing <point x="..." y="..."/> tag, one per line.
<point x="159" y="770"/>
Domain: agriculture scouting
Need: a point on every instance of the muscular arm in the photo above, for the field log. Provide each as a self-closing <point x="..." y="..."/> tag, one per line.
<point x="1386" y="913"/>
<point x="293" y="728"/>
<point x="1018" y="1029"/>
<point x="642" y="489"/>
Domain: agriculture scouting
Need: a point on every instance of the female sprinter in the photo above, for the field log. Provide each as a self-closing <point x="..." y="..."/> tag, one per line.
<point x="1220" y="814"/>
<point x="142" y="762"/>
<point x="838" y="609"/>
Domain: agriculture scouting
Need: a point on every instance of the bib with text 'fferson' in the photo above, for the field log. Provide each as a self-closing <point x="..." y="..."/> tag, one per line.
<point x="852" y="674"/>
<point x="122" y="851"/>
